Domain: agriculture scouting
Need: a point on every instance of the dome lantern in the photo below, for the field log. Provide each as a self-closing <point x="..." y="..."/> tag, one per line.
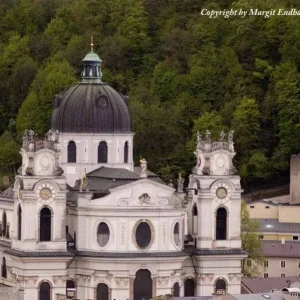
<point x="91" y="72"/>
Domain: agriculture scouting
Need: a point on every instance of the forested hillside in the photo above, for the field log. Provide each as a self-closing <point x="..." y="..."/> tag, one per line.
<point x="182" y="71"/>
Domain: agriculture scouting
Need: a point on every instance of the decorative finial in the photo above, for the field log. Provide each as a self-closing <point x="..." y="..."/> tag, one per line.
<point x="92" y="43"/>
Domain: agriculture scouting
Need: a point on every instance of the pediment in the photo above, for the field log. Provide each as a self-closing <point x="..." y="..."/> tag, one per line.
<point x="141" y="194"/>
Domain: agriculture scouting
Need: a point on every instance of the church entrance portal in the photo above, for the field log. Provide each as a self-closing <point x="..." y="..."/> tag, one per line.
<point x="142" y="285"/>
<point x="102" y="291"/>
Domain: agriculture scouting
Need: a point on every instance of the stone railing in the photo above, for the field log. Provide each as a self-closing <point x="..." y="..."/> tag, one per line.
<point x="212" y="146"/>
<point x="37" y="145"/>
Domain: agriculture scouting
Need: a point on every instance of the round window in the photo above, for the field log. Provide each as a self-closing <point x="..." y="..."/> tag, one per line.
<point x="176" y="234"/>
<point x="143" y="235"/>
<point x="103" y="234"/>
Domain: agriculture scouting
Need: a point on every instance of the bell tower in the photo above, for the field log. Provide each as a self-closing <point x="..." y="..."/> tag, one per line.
<point x="215" y="194"/>
<point x="40" y="196"/>
<point x="214" y="208"/>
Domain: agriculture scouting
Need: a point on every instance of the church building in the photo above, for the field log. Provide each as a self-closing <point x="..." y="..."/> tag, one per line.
<point x="82" y="222"/>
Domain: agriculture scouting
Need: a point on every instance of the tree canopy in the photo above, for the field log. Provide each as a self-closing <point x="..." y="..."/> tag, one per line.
<point x="183" y="72"/>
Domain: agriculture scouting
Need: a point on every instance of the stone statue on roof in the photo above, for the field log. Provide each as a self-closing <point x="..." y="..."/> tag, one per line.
<point x="143" y="164"/>
<point x="180" y="182"/>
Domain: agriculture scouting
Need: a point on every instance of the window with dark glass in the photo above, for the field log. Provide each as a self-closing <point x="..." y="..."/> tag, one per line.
<point x="126" y="152"/>
<point x="19" y="222"/>
<point x="143" y="235"/>
<point x="3" y="268"/>
<point x="45" y="225"/>
<point x="44" y="293"/>
<point x="176" y="234"/>
<point x="71" y="152"/>
<point x="195" y="219"/>
<point x="221" y="224"/>
<point x="176" y="289"/>
<point x="4" y="224"/>
<point x="189" y="288"/>
<point x="103" y="234"/>
<point x="102" y="291"/>
<point x="220" y="285"/>
<point x="102" y="152"/>
<point x="70" y="289"/>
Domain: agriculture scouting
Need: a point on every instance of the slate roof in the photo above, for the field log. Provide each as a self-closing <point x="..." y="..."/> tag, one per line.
<point x="7" y="194"/>
<point x="91" y="108"/>
<point x="260" y="296"/>
<point x="18" y="253"/>
<point x="193" y="298"/>
<point x="113" y="173"/>
<point x="265" y="285"/>
<point x="216" y="251"/>
<point x="103" y="179"/>
<point x="273" y="225"/>
<point x="130" y="254"/>
<point x="277" y="249"/>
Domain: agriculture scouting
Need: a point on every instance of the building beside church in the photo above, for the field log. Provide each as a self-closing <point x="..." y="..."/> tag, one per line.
<point x="82" y="222"/>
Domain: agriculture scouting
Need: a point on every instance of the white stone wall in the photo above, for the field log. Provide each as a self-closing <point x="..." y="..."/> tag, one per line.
<point x="87" y="153"/>
<point x="122" y="211"/>
<point x="29" y="199"/>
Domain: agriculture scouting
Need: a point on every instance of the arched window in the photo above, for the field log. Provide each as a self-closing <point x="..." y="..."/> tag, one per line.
<point x="45" y="225"/>
<point x="126" y="152"/>
<point x="195" y="219"/>
<point x="3" y="268"/>
<point x="102" y="152"/>
<point x="221" y="224"/>
<point x="220" y="285"/>
<point x="19" y="223"/>
<point x="44" y="292"/>
<point x="189" y="288"/>
<point x="4" y="224"/>
<point x="142" y="285"/>
<point x="176" y="234"/>
<point x="72" y="152"/>
<point x="70" y="289"/>
<point x="176" y="289"/>
<point x="103" y="234"/>
<point x="102" y="291"/>
<point x="143" y="235"/>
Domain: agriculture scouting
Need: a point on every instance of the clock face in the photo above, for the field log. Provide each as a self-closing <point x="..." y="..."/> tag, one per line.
<point x="221" y="193"/>
<point x="45" y="193"/>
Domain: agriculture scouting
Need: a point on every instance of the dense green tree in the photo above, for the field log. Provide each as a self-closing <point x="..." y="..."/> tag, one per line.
<point x="9" y="153"/>
<point x="183" y="71"/>
<point x="36" y="110"/>
<point x="250" y="243"/>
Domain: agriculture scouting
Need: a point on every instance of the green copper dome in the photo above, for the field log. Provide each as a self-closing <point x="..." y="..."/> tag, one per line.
<point x="93" y="57"/>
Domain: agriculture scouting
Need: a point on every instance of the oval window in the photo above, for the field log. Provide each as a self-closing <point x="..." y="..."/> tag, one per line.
<point x="143" y="235"/>
<point x="176" y="234"/>
<point x="102" y="102"/>
<point x="103" y="234"/>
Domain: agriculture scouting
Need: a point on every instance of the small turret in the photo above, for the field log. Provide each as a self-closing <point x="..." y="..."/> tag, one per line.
<point x="91" y="72"/>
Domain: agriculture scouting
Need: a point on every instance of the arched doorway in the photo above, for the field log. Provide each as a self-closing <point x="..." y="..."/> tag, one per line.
<point x="176" y="289"/>
<point x="220" y="286"/>
<point x="142" y="285"/>
<point x="221" y="224"/>
<point x="189" y="288"/>
<point x="45" y="291"/>
<point x="102" y="291"/>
